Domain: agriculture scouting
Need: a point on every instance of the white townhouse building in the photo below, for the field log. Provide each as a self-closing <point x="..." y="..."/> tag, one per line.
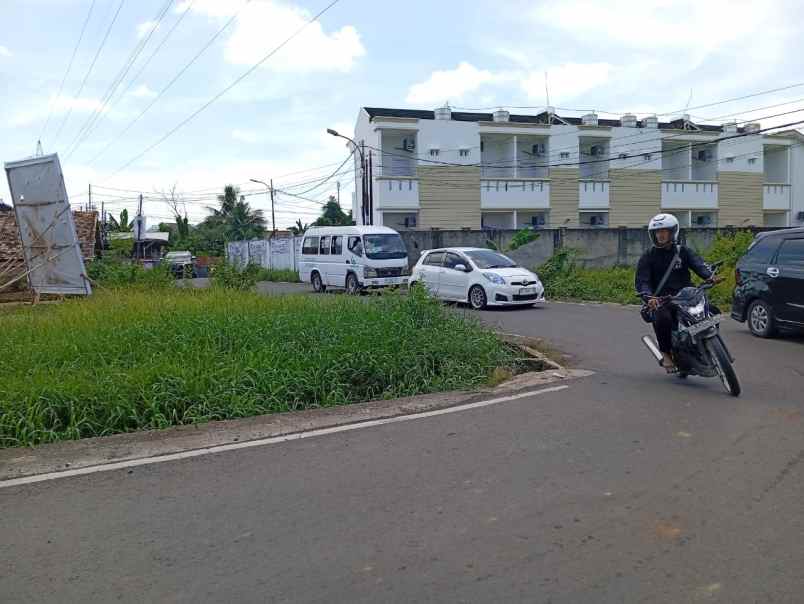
<point x="446" y="169"/>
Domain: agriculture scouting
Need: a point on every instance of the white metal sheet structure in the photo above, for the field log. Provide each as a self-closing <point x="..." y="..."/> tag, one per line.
<point x="50" y="245"/>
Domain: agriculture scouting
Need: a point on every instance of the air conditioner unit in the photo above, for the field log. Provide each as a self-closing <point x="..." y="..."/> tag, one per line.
<point x="596" y="150"/>
<point x="537" y="220"/>
<point x="800" y="216"/>
<point x="410" y="222"/>
<point x="703" y="220"/>
<point x="595" y="221"/>
<point x="538" y="149"/>
<point x="704" y="155"/>
<point x="409" y="144"/>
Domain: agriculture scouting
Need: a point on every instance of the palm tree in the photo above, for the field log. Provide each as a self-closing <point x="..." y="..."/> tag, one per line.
<point x="122" y="225"/>
<point x="299" y="228"/>
<point x="235" y="218"/>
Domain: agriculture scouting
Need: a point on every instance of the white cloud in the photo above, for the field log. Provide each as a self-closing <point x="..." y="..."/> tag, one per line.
<point x="143" y="29"/>
<point x="59" y="106"/>
<point x="4" y="52"/>
<point x="245" y="136"/>
<point x="446" y="85"/>
<point x="566" y="82"/>
<point x="260" y="26"/>
<point x="143" y="92"/>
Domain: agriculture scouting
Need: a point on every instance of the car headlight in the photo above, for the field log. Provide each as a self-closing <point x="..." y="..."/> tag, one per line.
<point x="494" y="278"/>
<point x="369" y="273"/>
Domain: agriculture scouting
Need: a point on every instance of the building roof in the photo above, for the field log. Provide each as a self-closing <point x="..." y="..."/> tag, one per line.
<point x="11" y="247"/>
<point x="541" y="118"/>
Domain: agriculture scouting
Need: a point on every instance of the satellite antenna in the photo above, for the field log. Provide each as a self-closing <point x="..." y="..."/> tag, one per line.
<point x="39" y="152"/>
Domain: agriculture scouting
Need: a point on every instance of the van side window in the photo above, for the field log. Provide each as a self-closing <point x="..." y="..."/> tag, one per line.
<point x="310" y="246"/>
<point x="792" y="253"/>
<point x="324" y="247"/>
<point x="337" y="245"/>
<point x="355" y="246"/>
<point x="763" y="250"/>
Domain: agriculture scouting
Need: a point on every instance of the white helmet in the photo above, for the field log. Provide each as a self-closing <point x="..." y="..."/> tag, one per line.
<point x="663" y="221"/>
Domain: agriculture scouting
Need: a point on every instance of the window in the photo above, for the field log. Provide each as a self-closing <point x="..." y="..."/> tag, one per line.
<point x="434" y="152"/>
<point x="324" y="247"/>
<point x="564" y="155"/>
<point x="435" y="259"/>
<point x="337" y="245"/>
<point x="385" y="247"/>
<point x="355" y="246"/>
<point x="463" y="152"/>
<point x="762" y="251"/>
<point x="310" y="246"/>
<point x="453" y="260"/>
<point x="490" y="259"/>
<point x="792" y="253"/>
<point x="647" y="156"/>
<point x="752" y="160"/>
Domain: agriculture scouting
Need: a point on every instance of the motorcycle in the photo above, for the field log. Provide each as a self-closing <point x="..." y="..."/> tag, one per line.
<point x="698" y="348"/>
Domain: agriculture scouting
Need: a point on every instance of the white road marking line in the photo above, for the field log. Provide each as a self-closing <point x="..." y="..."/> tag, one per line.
<point x="132" y="463"/>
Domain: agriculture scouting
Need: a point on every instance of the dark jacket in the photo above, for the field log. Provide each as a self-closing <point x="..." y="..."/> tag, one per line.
<point x="653" y="264"/>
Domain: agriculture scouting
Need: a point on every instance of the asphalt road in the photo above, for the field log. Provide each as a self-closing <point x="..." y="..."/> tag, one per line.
<point x="629" y="486"/>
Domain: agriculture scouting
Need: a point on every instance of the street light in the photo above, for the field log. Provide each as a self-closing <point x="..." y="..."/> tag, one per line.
<point x="271" y="189"/>
<point x="363" y="184"/>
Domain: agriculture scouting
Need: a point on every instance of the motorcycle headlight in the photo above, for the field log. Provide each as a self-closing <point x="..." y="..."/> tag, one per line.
<point x="369" y="273"/>
<point x="698" y="309"/>
<point x="494" y="278"/>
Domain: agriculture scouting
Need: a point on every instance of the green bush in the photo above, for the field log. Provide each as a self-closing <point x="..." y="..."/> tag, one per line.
<point x="230" y="277"/>
<point x="111" y="272"/>
<point x="522" y="237"/>
<point x="126" y="360"/>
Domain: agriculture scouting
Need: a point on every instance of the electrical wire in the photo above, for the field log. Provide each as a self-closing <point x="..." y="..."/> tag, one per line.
<point x="69" y="68"/>
<point x="247" y="73"/>
<point x="89" y="71"/>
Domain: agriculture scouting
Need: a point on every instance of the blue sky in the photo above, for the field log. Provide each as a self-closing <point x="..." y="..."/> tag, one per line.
<point x="640" y="56"/>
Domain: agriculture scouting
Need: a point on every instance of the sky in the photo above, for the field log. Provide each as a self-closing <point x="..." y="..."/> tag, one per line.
<point x="151" y="127"/>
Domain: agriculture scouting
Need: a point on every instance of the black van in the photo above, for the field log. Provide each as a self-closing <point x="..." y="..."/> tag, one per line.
<point x="770" y="283"/>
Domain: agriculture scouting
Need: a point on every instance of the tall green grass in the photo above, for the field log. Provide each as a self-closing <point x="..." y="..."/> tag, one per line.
<point x="126" y="360"/>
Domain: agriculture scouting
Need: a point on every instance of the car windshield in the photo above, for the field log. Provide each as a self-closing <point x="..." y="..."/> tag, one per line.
<point x="384" y="247"/>
<point x="489" y="259"/>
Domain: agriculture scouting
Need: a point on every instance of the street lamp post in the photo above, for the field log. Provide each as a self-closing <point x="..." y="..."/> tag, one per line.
<point x="365" y="209"/>
<point x="270" y="188"/>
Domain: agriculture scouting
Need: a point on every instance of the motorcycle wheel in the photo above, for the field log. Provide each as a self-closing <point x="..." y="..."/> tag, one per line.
<point x="724" y="367"/>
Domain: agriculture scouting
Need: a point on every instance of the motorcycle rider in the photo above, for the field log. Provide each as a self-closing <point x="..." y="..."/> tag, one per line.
<point x="663" y="230"/>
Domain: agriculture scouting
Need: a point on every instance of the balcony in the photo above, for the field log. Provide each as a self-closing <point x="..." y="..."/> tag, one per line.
<point x="776" y="196"/>
<point x="593" y="194"/>
<point x="514" y="193"/>
<point x="396" y="193"/>
<point x="689" y="195"/>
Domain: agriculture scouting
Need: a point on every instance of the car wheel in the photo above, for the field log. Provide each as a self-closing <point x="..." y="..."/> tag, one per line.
<point x="318" y="285"/>
<point x="352" y="285"/>
<point x="760" y="319"/>
<point x="477" y="298"/>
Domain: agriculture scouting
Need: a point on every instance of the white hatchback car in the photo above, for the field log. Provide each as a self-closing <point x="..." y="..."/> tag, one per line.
<point x="478" y="276"/>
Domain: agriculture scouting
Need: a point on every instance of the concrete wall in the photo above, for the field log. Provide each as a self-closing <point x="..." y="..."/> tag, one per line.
<point x="597" y="248"/>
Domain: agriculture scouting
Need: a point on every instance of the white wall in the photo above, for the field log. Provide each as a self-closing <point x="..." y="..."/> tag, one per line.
<point x="797" y="181"/>
<point x="636" y="141"/>
<point x="364" y="132"/>
<point x="675" y="161"/>
<point x="449" y="137"/>
<point x="775" y="163"/>
<point x="498" y="153"/>
<point x="743" y="149"/>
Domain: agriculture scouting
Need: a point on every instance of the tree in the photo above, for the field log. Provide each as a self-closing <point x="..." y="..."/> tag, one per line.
<point x="234" y="220"/>
<point x="173" y="199"/>
<point x="333" y="215"/>
<point x="299" y="228"/>
<point x="122" y="225"/>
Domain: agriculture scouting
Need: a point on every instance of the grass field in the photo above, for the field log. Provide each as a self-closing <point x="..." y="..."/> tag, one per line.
<point x="135" y="359"/>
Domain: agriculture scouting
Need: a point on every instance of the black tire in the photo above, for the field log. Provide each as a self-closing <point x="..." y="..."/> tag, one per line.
<point x="318" y="285"/>
<point x="477" y="297"/>
<point x="352" y="284"/>
<point x="760" y="319"/>
<point x="724" y="367"/>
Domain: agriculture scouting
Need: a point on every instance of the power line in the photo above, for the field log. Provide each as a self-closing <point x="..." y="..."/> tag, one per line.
<point x="89" y="71"/>
<point x="167" y="87"/>
<point x="69" y="68"/>
<point x="228" y="88"/>
<point x="105" y="104"/>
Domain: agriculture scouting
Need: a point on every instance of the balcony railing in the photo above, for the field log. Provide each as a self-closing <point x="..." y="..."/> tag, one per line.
<point x="688" y="194"/>
<point x="776" y="196"/>
<point x="593" y="194"/>
<point x="396" y="193"/>
<point x="514" y="193"/>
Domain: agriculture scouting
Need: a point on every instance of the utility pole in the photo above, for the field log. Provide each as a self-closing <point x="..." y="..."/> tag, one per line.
<point x="339" y="191"/>
<point x="273" y="216"/>
<point x="89" y="201"/>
